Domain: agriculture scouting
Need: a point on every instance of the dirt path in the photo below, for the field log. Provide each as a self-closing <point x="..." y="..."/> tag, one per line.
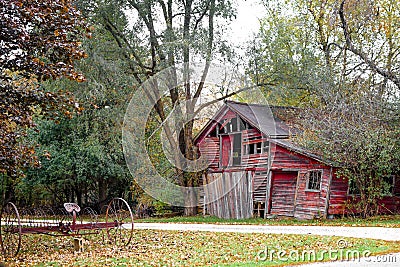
<point x="390" y="234"/>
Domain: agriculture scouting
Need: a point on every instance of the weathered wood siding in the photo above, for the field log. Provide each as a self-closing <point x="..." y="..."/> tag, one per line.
<point x="252" y="136"/>
<point x="209" y="149"/>
<point x="289" y="179"/>
<point x="229" y="194"/>
<point x="283" y="193"/>
<point x="285" y="159"/>
<point x="260" y="181"/>
<point x="339" y="199"/>
<point x="308" y="203"/>
<point x="229" y="115"/>
<point x="338" y="196"/>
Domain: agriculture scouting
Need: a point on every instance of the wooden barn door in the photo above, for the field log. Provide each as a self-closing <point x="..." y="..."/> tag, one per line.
<point x="226" y="150"/>
<point x="283" y="191"/>
<point x="229" y="195"/>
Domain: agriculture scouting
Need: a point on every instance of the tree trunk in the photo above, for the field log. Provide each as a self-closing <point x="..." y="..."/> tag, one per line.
<point x="102" y="193"/>
<point x="8" y="189"/>
<point x="190" y="203"/>
<point x="78" y="193"/>
<point x="190" y="211"/>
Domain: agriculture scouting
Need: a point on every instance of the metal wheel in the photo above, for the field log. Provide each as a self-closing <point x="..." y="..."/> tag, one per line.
<point x="10" y="230"/>
<point x="119" y="213"/>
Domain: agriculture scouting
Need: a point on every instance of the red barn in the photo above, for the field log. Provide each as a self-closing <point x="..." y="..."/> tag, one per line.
<point x="255" y="170"/>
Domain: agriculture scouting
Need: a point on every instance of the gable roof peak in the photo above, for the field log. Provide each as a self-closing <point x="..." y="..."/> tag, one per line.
<point x="261" y="117"/>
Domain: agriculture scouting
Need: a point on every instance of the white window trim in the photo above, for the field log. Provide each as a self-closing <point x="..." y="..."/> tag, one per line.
<point x="308" y="180"/>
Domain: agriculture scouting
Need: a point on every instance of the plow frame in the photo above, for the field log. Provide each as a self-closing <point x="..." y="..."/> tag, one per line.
<point x="118" y="224"/>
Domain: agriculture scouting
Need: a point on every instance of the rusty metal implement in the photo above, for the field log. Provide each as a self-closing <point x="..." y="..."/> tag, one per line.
<point x="118" y="223"/>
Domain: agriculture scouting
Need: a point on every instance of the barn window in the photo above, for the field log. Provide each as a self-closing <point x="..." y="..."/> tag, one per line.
<point x="251" y="149"/>
<point x="353" y="189"/>
<point x="237" y="150"/>
<point x="233" y="125"/>
<point x="314" y="180"/>
<point x="388" y="188"/>
<point x="265" y="146"/>
<point x="255" y="148"/>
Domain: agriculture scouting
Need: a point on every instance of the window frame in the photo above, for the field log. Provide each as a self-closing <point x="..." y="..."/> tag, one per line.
<point x="237" y="137"/>
<point x="254" y="149"/>
<point x="320" y="171"/>
<point x="265" y="147"/>
<point x="352" y="190"/>
<point x="232" y="125"/>
<point x="392" y="186"/>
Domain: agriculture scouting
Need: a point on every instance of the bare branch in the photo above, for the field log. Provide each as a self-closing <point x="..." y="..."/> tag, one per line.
<point x="164" y="9"/>
<point x="203" y="14"/>
<point x="136" y="75"/>
<point x="203" y="106"/>
<point x="146" y="15"/>
<point x="209" y="52"/>
<point x="350" y="46"/>
<point x="118" y="35"/>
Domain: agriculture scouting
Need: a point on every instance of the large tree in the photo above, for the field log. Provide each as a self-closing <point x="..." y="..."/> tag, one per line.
<point x="39" y="40"/>
<point x="81" y="156"/>
<point x="167" y="34"/>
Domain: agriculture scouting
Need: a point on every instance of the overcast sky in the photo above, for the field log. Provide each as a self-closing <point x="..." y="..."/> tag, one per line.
<point x="247" y="22"/>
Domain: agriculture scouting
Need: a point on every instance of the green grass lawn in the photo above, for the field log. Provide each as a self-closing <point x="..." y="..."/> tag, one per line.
<point x="382" y="221"/>
<point x="178" y="248"/>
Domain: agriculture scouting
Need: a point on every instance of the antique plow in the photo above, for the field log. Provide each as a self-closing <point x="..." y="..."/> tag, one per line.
<point x="69" y="221"/>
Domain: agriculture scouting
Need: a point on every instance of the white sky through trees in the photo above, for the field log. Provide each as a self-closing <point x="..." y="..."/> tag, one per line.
<point x="246" y="25"/>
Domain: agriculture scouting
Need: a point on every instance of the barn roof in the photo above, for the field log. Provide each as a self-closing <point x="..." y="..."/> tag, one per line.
<point x="270" y="120"/>
<point x="294" y="147"/>
<point x="273" y="121"/>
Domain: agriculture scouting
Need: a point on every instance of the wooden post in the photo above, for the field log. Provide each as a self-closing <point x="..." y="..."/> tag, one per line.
<point x="78" y="244"/>
<point x="295" y="193"/>
<point x="205" y="184"/>
<point x="268" y="194"/>
<point x="269" y="183"/>
<point x="328" y="193"/>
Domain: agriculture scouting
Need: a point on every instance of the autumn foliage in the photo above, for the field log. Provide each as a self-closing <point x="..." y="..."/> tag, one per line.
<point x="39" y="40"/>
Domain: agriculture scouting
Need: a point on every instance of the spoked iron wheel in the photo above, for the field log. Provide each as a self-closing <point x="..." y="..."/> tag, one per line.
<point x="119" y="213"/>
<point x="10" y="230"/>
